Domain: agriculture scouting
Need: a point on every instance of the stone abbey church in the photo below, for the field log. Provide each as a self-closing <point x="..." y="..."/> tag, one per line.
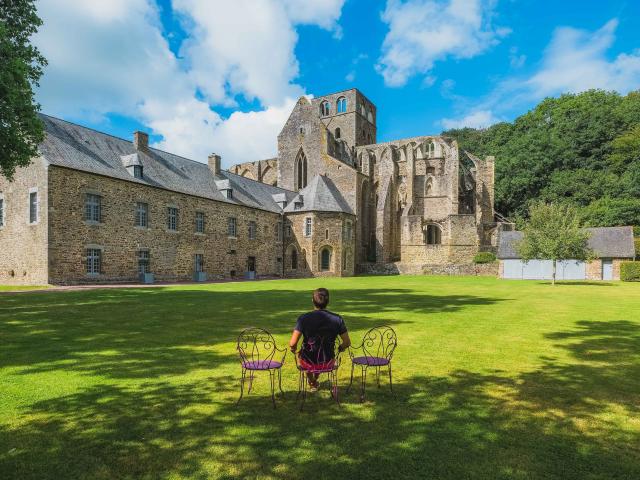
<point x="97" y="208"/>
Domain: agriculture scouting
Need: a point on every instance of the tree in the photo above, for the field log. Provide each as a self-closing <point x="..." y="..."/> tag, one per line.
<point x="21" y="66"/>
<point x="553" y="232"/>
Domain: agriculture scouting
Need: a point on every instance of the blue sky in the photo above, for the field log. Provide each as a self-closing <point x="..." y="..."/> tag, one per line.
<point x="214" y="75"/>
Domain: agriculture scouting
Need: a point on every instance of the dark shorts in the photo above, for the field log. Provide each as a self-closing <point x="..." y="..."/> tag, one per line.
<point x="314" y="367"/>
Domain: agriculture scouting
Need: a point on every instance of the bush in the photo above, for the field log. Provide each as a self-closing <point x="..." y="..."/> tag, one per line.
<point x="636" y="231"/>
<point x="484" y="257"/>
<point x="636" y="241"/>
<point x="630" y="271"/>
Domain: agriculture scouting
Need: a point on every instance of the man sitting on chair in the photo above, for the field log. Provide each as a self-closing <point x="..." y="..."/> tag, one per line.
<point x="319" y="330"/>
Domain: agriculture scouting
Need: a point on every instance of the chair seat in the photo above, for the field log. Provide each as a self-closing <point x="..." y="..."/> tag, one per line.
<point x="317" y="370"/>
<point x="371" y="361"/>
<point x="261" y="365"/>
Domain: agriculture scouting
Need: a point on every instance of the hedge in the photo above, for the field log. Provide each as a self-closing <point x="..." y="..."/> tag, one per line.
<point x="484" y="257"/>
<point x="637" y="243"/>
<point x="630" y="271"/>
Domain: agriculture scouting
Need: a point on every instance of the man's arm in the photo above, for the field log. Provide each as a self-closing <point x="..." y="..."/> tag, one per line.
<point x="295" y="338"/>
<point x="346" y="341"/>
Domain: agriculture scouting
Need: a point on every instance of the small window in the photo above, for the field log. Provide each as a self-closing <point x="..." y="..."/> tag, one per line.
<point x="172" y="218"/>
<point x="279" y="232"/>
<point x="307" y="227"/>
<point x="92" y="207"/>
<point x="199" y="222"/>
<point x="348" y="231"/>
<point x="338" y="132"/>
<point x="229" y="194"/>
<point x="1" y="212"/>
<point x="137" y="171"/>
<point x="433" y="235"/>
<point x="33" y="207"/>
<point x="370" y="116"/>
<point x="252" y="230"/>
<point x="325" y="259"/>
<point x="142" y="214"/>
<point x="362" y="110"/>
<point x="287" y="232"/>
<point x="326" y="234"/>
<point x="94" y="261"/>
<point x="232" y="225"/>
<point x="198" y="263"/>
<point x="325" y="108"/>
<point x="302" y="131"/>
<point x="143" y="262"/>
<point x="341" y="105"/>
<point x="294" y="259"/>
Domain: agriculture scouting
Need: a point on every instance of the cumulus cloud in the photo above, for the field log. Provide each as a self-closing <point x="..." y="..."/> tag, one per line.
<point x="111" y="58"/>
<point x="477" y="119"/>
<point x="422" y="32"/>
<point x="576" y="60"/>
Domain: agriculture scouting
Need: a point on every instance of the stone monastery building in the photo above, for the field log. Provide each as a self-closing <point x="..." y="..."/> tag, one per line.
<point x="96" y="208"/>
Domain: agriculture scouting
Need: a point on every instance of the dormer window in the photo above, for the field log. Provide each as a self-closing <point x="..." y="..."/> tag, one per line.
<point x="325" y="108"/>
<point x="137" y="171"/>
<point x="229" y="194"/>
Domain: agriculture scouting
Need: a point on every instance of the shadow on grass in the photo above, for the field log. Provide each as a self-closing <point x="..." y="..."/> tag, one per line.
<point x="553" y="423"/>
<point x="146" y="333"/>
<point x="582" y="283"/>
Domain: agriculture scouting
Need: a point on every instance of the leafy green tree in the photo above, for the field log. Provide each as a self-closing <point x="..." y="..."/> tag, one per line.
<point x="21" y="66"/>
<point x="612" y="212"/>
<point x="553" y="232"/>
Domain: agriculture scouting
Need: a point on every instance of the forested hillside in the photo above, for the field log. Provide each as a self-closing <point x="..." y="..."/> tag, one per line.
<point x="583" y="149"/>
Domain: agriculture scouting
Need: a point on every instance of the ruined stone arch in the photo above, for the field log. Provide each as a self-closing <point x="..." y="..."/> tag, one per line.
<point x="429" y="186"/>
<point x="246" y="173"/>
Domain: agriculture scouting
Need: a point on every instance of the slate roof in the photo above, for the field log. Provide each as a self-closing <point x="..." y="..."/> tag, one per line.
<point x="73" y="146"/>
<point x="606" y="242"/>
<point x="320" y="195"/>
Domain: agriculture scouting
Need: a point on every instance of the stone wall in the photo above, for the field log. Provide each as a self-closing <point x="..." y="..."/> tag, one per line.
<point x="400" y="268"/>
<point x="171" y="252"/>
<point x="328" y="231"/>
<point x="23" y="246"/>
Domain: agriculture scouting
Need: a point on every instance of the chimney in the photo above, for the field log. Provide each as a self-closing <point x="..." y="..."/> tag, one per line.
<point x="215" y="163"/>
<point x="140" y="140"/>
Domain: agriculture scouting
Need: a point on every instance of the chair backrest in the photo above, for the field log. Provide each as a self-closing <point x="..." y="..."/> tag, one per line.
<point x="380" y="342"/>
<point x="321" y="349"/>
<point x="256" y="345"/>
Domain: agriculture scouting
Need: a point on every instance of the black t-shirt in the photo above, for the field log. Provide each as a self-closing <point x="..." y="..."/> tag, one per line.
<point x="319" y="331"/>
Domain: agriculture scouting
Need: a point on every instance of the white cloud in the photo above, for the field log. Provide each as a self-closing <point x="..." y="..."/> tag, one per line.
<point x="110" y="57"/>
<point x="576" y="60"/>
<point x="477" y="119"/>
<point x="422" y="32"/>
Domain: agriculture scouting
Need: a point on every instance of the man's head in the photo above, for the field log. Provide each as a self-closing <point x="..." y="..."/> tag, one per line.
<point x="321" y="298"/>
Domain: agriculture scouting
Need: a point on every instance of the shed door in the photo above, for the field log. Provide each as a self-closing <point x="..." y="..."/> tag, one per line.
<point x="512" y="269"/>
<point x="571" y="270"/>
<point x="537" y="270"/>
<point x="607" y="269"/>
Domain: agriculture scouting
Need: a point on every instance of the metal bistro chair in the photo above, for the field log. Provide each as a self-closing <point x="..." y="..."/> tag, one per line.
<point x="257" y="349"/>
<point x="377" y="348"/>
<point x="323" y="365"/>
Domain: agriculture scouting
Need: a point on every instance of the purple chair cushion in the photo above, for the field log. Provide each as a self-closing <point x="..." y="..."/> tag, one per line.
<point x="371" y="361"/>
<point x="261" y="365"/>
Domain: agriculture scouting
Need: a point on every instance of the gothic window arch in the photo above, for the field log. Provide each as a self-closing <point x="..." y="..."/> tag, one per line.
<point x="300" y="171"/>
<point x="370" y="116"/>
<point x="433" y="234"/>
<point x="325" y="108"/>
<point x="325" y="259"/>
<point x="341" y="105"/>
<point x="428" y="187"/>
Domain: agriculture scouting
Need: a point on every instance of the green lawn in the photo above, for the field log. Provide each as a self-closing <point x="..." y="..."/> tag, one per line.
<point x="15" y="288"/>
<point x="493" y="379"/>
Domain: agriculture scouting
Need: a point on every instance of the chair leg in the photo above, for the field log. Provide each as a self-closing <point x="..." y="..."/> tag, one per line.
<point x="244" y="373"/>
<point x="353" y="365"/>
<point x="304" y="391"/>
<point x="378" y="376"/>
<point x="363" y="383"/>
<point x="280" y="381"/>
<point x="390" y="381"/>
<point x="251" y="373"/>
<point x="300" y="379"/>
<point x="272" y="381"/>
<point x="334" y="387"/>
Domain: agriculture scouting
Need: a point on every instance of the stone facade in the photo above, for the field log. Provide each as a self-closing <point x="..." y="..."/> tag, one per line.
<point x="420" y="204"/>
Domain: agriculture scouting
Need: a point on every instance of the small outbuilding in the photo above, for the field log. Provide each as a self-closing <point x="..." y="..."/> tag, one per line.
<point x="611" y="245"/>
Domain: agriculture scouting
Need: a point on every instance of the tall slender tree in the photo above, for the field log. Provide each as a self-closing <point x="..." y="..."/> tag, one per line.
<point x="21" y="66"/>
<point x="553" y="232"/>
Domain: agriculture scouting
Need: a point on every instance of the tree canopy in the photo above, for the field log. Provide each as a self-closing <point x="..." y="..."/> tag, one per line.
<point x="21" y="67"/>
<point x="552" y="231"/>
<point x="582" y="149"/>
